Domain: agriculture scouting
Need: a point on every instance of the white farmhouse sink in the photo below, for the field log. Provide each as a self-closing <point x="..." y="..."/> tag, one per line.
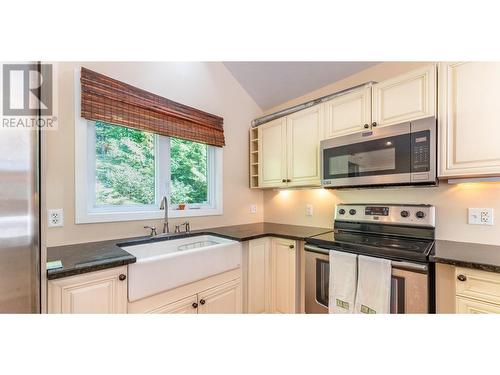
<point x="167" y="264"/>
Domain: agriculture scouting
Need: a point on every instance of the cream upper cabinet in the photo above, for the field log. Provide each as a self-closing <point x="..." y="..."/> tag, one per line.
<point x="101" y="292"/>
<point x="406" y="97"/>
<point x="272" y="153"/>
<point x="284" y="276"/>
<point x="469" y="119"/>
<point x="304" y="131"/>
<point x="349" y="113"/>
<point x="223" y="299"/>
<point x="259" y="276"/>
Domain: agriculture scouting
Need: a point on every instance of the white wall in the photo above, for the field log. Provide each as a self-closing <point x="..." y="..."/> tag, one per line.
<point x="206" y="86"/>
<point x="451" y="201"/>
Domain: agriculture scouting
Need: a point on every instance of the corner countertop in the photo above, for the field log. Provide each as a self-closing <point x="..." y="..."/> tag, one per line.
<point x="467" y="254"/>
<point x="94" y="256"/>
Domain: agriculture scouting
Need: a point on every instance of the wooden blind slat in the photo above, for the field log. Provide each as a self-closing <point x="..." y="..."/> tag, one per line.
<point x="109" y="100"/>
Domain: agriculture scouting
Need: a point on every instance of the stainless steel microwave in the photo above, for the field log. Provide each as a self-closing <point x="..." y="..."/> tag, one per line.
<point x="402" y="154"/>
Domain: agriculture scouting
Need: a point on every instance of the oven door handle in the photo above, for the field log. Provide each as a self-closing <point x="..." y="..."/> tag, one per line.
<point x="409" y="266"/>
<point x="316" y="249"/>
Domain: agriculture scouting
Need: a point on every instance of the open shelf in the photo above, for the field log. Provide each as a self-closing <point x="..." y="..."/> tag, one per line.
<point x="254" y="158"/>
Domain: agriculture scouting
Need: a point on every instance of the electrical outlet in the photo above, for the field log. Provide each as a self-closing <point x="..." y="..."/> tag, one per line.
<point x="253" y="208"/>
<point x="56" y="218"/>
<point x="481" y="216"/>
<point x="309" y="210"/>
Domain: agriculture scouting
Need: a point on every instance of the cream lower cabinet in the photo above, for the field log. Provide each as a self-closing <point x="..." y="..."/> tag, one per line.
<point x="100" y="292"/>
<point x="477" y="291"/>
<point x="217" y="294"/>
<point x="469" y="119"/>
<point x="224" y="299"/>
<point x="349" y="113"/>
<point x="288" y="149"/>
<point x="187" y="305"/>
<point x="271" y="276"/>
<point x="407" y="97"/>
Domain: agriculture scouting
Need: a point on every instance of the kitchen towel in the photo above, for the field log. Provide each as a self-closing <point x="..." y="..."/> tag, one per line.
<point x="373" y="294"/>
<point x="342" y="282"/>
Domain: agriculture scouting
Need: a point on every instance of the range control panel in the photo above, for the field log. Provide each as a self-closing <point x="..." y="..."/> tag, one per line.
<point x="411" y="214"/>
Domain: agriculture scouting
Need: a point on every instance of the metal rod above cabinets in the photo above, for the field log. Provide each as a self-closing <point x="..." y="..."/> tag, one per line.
<point x="299" y="107"/>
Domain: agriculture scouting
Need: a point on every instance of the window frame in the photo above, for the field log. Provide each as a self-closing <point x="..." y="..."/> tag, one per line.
<point x="85" y="156"/>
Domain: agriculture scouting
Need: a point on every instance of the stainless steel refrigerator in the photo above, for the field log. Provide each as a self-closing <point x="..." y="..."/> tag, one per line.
<point x="19" y="221"/>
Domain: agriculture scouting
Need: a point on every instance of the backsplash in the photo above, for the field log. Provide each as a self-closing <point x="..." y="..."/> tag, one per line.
<point x="451" y="201"/>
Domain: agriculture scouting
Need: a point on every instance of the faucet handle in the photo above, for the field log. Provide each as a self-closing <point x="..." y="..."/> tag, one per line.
<point x="153" y="230"/>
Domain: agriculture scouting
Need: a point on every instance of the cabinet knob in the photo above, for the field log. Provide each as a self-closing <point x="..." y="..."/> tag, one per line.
<point x="374" y="124"/>
<point x="288" y="180"/>
<point x="195" y="305"/>
<point x="122" y="277"/>
<point x="291" y="246"/>
<point x="202" y="301"/>
<point x="284" y="180"/>
<point x="366" y="126"/>
<point x="462" y="277"/>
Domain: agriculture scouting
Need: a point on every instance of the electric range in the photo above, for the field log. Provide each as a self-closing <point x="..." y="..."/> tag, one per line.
<point x="403" y="234"/>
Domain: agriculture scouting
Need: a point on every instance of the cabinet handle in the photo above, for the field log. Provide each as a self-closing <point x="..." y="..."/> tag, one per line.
<point x="291" y="246"/>
<point x="366" y="126"/>
<point x="284" y="180"/>
<point x="288" y="180"/>
<point x="202" y="301"/>
<point x="122" y="277"/>
<point x="374" y="124"/>
<point x="462" y="277"/>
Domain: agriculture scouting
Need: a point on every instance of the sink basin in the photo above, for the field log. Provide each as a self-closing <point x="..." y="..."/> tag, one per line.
<point x="167" y="264"/>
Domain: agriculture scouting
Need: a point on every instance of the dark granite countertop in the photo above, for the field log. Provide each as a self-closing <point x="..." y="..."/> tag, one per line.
<point x="467" y="254"/>
<point x="93" y="256"/>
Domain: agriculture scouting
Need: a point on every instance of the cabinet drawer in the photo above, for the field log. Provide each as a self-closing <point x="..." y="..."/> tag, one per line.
<point x="470" y="306"/>
<point x="477" y="284"/>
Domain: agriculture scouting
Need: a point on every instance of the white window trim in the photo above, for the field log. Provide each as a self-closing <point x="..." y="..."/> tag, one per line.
<point x="84" y="182"/>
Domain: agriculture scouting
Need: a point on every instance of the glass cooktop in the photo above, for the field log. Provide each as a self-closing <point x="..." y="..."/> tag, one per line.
<point x="384" y="246"/>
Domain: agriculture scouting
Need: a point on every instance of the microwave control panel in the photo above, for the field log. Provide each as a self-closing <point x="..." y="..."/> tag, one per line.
<point x="420" y="151"/>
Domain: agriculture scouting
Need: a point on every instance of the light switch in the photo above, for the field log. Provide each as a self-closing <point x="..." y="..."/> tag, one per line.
<point x="309" y="210"/>
<point x="480" y="216"/>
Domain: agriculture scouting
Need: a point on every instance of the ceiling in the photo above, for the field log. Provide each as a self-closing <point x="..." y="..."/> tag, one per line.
<point x="270" y="83"/>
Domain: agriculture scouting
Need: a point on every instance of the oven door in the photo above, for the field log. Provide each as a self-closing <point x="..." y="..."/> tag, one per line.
<point x="409" y="284"/>
<point x="376" y="157"/>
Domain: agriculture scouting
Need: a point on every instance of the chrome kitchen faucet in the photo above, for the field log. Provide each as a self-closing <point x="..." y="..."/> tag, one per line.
<point x="164" y="206"/>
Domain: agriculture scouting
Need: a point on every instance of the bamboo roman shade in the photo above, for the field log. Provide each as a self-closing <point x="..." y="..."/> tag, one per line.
<point x="109" y="100"/>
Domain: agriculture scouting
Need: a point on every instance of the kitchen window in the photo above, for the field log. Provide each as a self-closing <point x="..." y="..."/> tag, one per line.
<point x="122" y="174"/>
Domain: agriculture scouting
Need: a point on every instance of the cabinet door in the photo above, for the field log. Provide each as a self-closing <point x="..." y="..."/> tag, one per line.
<point x="469" y="119"/>
<point x="187" y="305"/>
<point x="348" y="113"/>
<point x="304" y="130"/>
<point x="283" y="267"/>
<point x="407" y="97"/>
<point x="470" y="306"/>
<point x="223" y="299"/>
<point x="272" y="151"/>
<point x="259" y="276"/>
<point x="100" y="292"/>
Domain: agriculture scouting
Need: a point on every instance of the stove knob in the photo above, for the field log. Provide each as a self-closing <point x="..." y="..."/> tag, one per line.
<point x="420" y="214"/>
<point x="341" y="211"/>
<point x="405" y="213"/>
<point x="352" y="211"/>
